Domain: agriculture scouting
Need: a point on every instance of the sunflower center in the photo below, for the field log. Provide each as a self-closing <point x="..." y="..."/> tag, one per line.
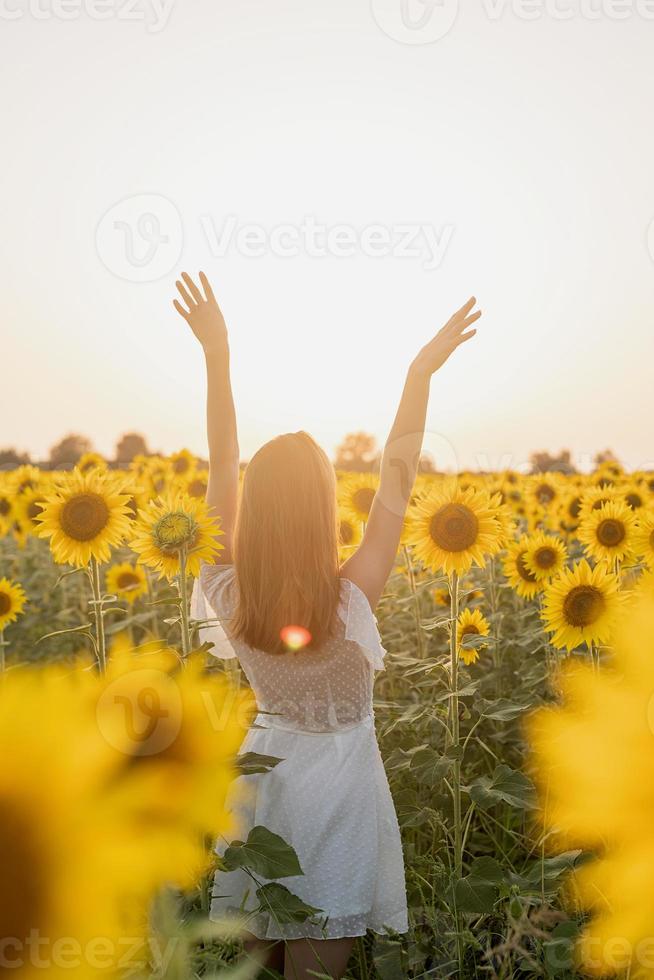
<point x="454" y="527"/>
<point x="634" y="500"/>
<point x="128" y="580"/>
<point x="5" y="506"/>
<point x="21" y="895"/>
<point x="84" y="516"/>
<point x="34" y="509"/>
<point x="5" y="603"/>
<point x="610" y="532"/>
<point x="545" y="493"/>
<point x="363" y="498"/>
<point x="197" y="488"/>
<point x="181" y="465"/>
<point x="545" y="557"/>
<point x="173" y="531"/>
<point x="470" y="630"/>
<point x="574" y="507"/>
<point x="346" y="532"/>
<point x="523" y="571"/>
<point x="583" y="605"/>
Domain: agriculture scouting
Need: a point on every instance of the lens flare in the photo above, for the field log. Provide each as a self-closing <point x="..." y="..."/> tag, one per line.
<point x="295" y="637"/>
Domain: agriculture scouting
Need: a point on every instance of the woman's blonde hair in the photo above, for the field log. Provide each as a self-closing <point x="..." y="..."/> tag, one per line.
<point x="286" y="544"/>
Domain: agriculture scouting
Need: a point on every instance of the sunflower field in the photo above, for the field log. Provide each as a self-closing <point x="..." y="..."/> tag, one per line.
<point x="515" y="718"/>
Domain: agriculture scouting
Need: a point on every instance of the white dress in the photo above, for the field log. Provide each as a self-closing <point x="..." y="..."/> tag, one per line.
<point x="329" y="799"/>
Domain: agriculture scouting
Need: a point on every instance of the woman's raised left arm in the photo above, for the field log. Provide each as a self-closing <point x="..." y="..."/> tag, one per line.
<point x="205" y="319"/>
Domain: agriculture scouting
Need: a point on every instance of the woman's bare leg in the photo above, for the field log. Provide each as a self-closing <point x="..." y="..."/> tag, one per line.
<point x="269" y="954"/>
<point x="328" y="956"/>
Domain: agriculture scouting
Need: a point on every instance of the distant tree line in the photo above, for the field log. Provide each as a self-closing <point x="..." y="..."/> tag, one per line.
<point x="357" y="453"/>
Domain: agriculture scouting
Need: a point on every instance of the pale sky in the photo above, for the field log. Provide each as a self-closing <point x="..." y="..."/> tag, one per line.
<point x="518" y="153"/>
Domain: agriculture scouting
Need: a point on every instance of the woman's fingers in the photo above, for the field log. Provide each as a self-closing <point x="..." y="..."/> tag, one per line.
<point x="193" y="289"/>
<point x="185" y="296"/>
<point x="465" y="336"/>
<point x="471" y="319"/>
<point x="208" y="291"/>
<point x="180" y="309"/>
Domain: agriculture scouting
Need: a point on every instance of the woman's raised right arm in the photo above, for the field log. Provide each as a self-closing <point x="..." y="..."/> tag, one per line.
<point x="372" y="563"/>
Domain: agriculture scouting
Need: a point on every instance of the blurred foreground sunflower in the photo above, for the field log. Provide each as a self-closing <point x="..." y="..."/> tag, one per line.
<point x="594" y="762"/>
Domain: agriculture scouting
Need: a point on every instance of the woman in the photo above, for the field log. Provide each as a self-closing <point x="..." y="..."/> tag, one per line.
<point x="329" y="798"/>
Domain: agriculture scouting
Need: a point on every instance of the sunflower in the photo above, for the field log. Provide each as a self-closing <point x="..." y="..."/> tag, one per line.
<point x="471" y="623"/>
<point x="172" y="526"/>
<point x="61" y="834"/>
<point x="28" y="507"/>
<point x="175" y="751"/>
<point x="521" y="578"/>
<point x="26" y="477"/>
<point x="127" y="581"/>
<point x="595" y="796"/>
<point x="545" y="556"/>
<point x="607" y="533"/>
<point x="196" y="484"/>
<point x="12" y="600"/>
<point x="84" y="517"/>
<point x="643" y="540"/>
<point x="182" y="463"/>
<point x="7" y="498"/>
<point x="356" y="494"/>
<point x="582" y="606"/>
<point x="570" y="510"/>
<point x="451" y="529"/>
<point x="349" y="535"/>
<point x="593" y="498"/>
<point x="545" y="489"/>
<point x="633" y="495"/>
<point x="91" y="461"/>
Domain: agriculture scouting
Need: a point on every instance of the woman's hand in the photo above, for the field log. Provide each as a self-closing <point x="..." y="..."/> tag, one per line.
<point x="202" y="314"/>
<point x="455" y="332"/>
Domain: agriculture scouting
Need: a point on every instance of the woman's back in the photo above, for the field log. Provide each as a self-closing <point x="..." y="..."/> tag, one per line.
<point x="314" y="690"/>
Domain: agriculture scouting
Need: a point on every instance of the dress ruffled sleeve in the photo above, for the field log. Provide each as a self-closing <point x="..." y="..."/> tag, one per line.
<point x="213" y="599"/>
<point x="361" y="623"/>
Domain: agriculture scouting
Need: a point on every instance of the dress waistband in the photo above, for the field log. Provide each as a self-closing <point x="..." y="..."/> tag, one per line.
<point x="272" y="721"/>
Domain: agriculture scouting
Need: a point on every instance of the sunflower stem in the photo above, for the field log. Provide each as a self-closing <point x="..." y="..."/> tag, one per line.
<point x="3" y="644"/>
<point x="183" y="595"/>
<point x="455" y="739"/>
<point x="99" y="616"/>
<point x="416" y="602"/>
